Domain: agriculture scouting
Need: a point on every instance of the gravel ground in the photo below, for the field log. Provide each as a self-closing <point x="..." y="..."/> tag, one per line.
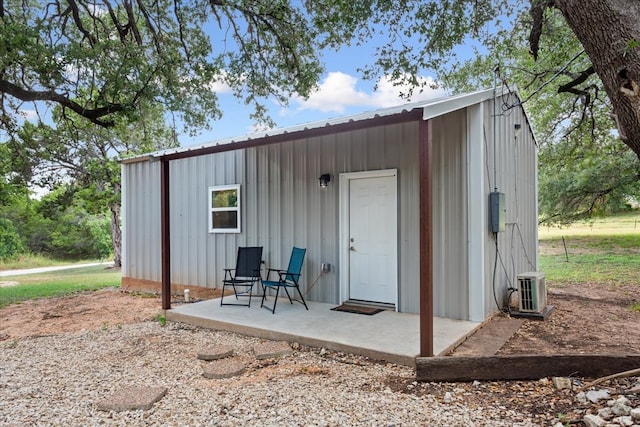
<point x="58" y="380"/>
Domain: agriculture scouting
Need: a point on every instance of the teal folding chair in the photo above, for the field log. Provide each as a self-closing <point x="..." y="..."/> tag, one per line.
<point x="288" y="278"/>
<point x="244" y="276"/>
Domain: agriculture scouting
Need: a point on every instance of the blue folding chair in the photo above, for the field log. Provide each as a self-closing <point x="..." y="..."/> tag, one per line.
<point x="288" y="278"/>
<point x="245" y="275"/>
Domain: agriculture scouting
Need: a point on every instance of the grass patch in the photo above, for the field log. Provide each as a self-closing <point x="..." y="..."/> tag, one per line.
<point x="603" y="258"/>
<point x="612" y="269"/>
<point x="34" y="261"/>
<point x="58" y="283"/>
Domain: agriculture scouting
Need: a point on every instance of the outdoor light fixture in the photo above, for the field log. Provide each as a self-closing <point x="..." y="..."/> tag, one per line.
<point x="324" y="180"/>
<point x="518" y="128"/>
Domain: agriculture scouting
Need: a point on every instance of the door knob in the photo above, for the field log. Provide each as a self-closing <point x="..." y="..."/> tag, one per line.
<point x="351" y="248"/>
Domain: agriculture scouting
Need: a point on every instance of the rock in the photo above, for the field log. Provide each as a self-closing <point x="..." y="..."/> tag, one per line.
<point x="272" y="349"/>
<point x="215" y="352"/>
<point x="591" y="420"/>
<point x="582" y="398"/>
<point x="605" y="413"/>
<point x="132" y="398"/>
<point x="625" y="421"/>
<point x="222" y="368"/>
<point x="447" y="397"/>
<point x="620" y="409"/>
<point x="623" y="401"/>
<point x="635" y="414"/>
<point x="561" y="383"/>
<point x="595" y="396"/>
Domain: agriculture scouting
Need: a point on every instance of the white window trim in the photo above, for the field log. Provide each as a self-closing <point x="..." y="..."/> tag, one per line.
<point x="211" y="209"/>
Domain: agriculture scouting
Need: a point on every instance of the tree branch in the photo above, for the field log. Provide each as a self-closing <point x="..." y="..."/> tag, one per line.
<point x="537" y="14"/>
<point x="93" y="114"/>
<point x="581" y="78"/>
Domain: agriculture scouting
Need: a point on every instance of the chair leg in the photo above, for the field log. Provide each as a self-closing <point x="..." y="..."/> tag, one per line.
<point x="302" y="298"/>
<point x="264" y="296"/>
<point x="289" y="296"/>
<point x="276" y="300"/>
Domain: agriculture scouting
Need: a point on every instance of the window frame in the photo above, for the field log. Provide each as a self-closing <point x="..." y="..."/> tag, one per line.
<point x="218" y="188"/>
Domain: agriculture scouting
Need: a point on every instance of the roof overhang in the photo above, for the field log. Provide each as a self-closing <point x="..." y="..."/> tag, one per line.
<point x="424" y="110"/>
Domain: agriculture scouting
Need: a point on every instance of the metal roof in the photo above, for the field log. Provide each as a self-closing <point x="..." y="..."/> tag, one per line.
<point x="430" y="109"/>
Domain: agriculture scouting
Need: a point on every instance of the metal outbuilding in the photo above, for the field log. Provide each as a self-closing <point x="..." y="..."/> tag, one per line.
<point x="402" y="217"/>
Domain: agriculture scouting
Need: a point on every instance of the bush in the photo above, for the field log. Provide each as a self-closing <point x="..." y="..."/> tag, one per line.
<point x="10" y="242"/>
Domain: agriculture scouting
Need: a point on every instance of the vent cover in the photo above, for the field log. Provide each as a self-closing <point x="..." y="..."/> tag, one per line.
<point x="532" y="292"/>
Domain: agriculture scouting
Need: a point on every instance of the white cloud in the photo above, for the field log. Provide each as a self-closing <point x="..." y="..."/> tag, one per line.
<point x="338" y="91"/>
<point x="30" y="115"/>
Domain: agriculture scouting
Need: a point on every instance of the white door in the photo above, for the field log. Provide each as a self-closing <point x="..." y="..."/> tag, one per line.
<point x="373" y="239"/>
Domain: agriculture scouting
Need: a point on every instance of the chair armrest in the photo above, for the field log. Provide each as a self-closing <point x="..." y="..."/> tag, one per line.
<point x="228" y="275"/>
<point x="269" y="270"/>
<point x="284" y="273"/>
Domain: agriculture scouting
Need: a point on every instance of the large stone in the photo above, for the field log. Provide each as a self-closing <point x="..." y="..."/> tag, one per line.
<point x="215" y="352"/>
<point x="620" y="409"/>
<point x="621" y="406"/>
<point x="562" y="383"/>
<point x="272" y="349"/>
<point x="595" y="396"/>
<point x="223" y="368"/>
<point x="635" y="414"/>
<point x="591" y="420"/>
<point x="625" y="421"/>
<point x="132" y="398"/>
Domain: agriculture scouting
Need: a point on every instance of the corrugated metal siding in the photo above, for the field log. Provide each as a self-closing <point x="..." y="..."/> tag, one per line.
<point x="141" y="221"/>
<point x="195" y="252"/>
<point x="295" y="211"/>
<point x="450" y="273"/>
<point x="516" y="177"/>
<point x="282" y="206"/>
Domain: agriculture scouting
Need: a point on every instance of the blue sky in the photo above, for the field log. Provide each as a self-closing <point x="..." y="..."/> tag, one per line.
<point x="341" y="92"/>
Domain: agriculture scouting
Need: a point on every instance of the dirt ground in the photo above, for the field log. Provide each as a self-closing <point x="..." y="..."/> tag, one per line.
<point x="588" y="318"/>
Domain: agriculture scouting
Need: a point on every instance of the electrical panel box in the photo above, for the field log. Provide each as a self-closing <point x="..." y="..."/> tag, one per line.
<point x="498" y="213"/>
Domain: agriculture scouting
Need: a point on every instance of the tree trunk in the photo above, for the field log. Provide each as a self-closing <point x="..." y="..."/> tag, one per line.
<point x="116" y="233"/>
<point x="609" y="31"/>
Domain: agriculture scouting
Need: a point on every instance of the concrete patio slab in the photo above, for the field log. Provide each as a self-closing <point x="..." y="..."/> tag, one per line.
<point x="388" y="335"/>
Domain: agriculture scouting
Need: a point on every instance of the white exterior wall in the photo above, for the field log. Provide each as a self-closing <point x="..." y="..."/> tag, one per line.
<point x="516" y="177"/>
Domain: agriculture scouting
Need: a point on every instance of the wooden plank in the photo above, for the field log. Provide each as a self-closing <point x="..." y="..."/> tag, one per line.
<point x="522" y="367"/>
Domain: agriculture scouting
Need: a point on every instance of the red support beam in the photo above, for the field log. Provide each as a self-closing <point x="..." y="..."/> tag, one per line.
<point x="426" y="238"/>
<point x="165" y="234"/>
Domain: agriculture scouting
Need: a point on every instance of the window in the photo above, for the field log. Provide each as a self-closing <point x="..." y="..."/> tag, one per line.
<point x="224" y="209"/>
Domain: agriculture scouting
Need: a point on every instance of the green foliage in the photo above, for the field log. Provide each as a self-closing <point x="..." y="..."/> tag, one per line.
<point x="584" y="169"/>
<point x="108" y="61"/>
<point x="10" y="242"/>
<point x="161" y="319"/>
<point x="60" y="283"/>
<point x="74" y="232"/>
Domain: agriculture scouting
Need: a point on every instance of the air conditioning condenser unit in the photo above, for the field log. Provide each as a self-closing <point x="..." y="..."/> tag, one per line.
<point x="532" y="292"/>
